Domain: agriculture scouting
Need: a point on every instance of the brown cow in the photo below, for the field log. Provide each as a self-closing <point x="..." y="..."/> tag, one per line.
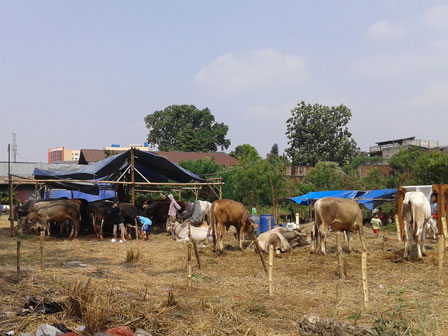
<point x="61" y="211"/>
<point x="339" y="213"/>
<point x="225" y="213"/>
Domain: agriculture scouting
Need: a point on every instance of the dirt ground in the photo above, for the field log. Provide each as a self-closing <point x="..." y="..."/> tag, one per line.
<point x="230" y="294"/>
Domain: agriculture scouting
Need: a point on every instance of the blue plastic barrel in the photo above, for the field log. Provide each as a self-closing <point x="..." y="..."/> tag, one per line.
<point x="264" y="220"/>
<point x="256" y="220"/>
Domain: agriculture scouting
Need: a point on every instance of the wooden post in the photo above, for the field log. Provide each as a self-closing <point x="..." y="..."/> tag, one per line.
<point x="400" y="193"/>
<point x="36" y="190"/>
<point x="133" y="188"/>
<point x="297" y="219"/>
<point x="269" y="223"/>
<point x="445" y="231"/>
<point x="258" y="249"/>
<point x="220" y="190"/>
<point x="189" y="266"/>
<point x="11" y="199"/>
<point x="339" y="252"/>
<point x="42" y="236"/>
<point x="398" y="228"/>
<point x="18" y="260"/>
<point x="440" y="258"/>
<point x="271" y="264"/>
<point x="365" y="287"/>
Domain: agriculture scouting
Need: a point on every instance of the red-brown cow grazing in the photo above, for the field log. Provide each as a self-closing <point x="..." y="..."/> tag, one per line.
<point x="339" y="213"/>
<point x="225" y="213"/>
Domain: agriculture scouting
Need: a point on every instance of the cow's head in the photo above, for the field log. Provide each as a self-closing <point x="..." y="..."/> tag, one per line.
<point x="302" y="237"/>
<point x="33" y="223"/>
<point x="250" y="226"/>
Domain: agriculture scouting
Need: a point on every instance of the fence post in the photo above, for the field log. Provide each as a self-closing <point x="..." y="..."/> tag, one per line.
<point x="440" y="258"/>
<point x="398" y="227"/>
<point x="18" y="260"/>
<point x="339" y="253"/>
<point x="365" y="287"/>
<point x="189" y="266"/>
<point x="271" y="264"/>
<point x="42" y="237"/>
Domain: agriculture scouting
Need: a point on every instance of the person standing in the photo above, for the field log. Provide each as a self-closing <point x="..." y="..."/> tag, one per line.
<point x="172" y="211"/>
<point x="117" y="221"/>
<point x="376" y="223"/>
<point x="253" y="211"/>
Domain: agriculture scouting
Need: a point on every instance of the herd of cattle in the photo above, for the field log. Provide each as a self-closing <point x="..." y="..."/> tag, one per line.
<point x="201" y="221"/>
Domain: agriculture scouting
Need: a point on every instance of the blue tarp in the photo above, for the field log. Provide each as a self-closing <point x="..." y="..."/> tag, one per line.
<point x="370" y="199"/>
<point x="153" y="167"/>
<point x="58" y="193"/>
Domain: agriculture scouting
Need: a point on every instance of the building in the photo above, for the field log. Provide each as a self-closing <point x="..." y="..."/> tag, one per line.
<point x="117" y="148"/>
<point x="62" y="154"/>
<point x="387" y="149"/>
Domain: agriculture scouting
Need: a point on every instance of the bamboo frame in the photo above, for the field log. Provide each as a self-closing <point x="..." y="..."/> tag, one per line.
<point x="189" y="266"/>
<point x="365" y="286"/>
<point x="42" y="237"/>
<point x="339" y="254"/>
<point x="270" y="269"/>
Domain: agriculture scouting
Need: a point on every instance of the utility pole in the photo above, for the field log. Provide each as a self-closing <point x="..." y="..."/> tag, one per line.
<point x="11" y="203"/>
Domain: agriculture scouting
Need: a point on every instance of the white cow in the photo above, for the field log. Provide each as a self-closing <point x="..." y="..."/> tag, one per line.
<point x="416" y="216"/>
<point x="282" y="239"/>
<point x="198" y="234"/>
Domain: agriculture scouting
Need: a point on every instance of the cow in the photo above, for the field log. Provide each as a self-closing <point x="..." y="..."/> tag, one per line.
<point x="224" y="213"/>
<point x="201" y="212"/>
<point x="341" y="215"/>
<point x="100" y="215"/>
<point x="157" y="211"/>
<point x="282" y="239"/>
<point x="182" y="233"/>
<point x="61" y="211"/>
<point x="416" y="212"/>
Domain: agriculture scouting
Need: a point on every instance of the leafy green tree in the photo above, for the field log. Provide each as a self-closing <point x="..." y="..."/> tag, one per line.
<point x="245" y="152"/>
<point x="186" y="128"/>
<point x="320" y="133"/>
<point x="432" y="168"/>
<point x="375" y="179"/>
<point x="203" y="167"/>
<point x="404" y="165"/>
<point x="326" y="175"/>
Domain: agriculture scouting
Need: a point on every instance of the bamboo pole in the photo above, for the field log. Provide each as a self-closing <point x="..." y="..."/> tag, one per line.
<point x="271" y="265"/>
<point x="445" y="231"/>
<point x="365" y="287"/>
<point x="384" y="241"/>
<point x="297" y="219"/>
<point x="400" y="225"/>
<point x="339" y="253"/>
<point x="42" y="237"/>
<point x="269" y="223"/>
<point x="18" y="260"/>
<point x="189" y="266"/>
<point x="440" y="258"/>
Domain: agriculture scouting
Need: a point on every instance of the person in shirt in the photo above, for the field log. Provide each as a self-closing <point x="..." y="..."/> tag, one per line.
<point x="254" y="211"/>
<point x="376" y="223"/>
<point x="117" y="221"/>
<point x="146" y="226"/>
<point x="172" y="211"/>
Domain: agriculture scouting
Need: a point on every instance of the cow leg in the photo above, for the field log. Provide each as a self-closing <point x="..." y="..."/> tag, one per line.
<point x="241" y="237"/>
<point x="72" y="229"/>
<point x="348" y="238"/>
<point x="100" y="234"/>
<point x="314" y="238"/>
<point x="221" y="237"/>
<point x="419" y="242"/>
<point x="323" y="235"/>
<point x="408" y="241"/>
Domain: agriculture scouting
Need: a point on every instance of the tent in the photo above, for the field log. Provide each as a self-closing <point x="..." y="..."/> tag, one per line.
<point x="149" y="167"/>
<point x="370" y="198"/>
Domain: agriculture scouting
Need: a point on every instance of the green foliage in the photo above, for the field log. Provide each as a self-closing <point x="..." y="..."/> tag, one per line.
<point x="4" y="198"/>
<point x="375" y="179"/>
<point x="326" y="176"/>
<point x="202" y="167"/>
<point x="274" y="150"/>
<point x="432" y="168"/>
<point x="403" y="165"/>
<point x="320" y="133"/>
<point x="246" y="153"/>
<point x="186" y="128"/>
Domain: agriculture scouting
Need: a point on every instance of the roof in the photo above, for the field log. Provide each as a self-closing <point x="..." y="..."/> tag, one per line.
<point x="94" y="155"/>
<point x="91" y="155"/>
<point x="220" y="158"/>
<point x="395" y="141"/>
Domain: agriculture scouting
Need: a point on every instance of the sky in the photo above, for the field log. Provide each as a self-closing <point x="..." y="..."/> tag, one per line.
<point x="84" y="74"/>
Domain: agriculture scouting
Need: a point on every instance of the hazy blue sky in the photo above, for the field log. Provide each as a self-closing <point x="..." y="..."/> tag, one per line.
<point x="84" y="74"/>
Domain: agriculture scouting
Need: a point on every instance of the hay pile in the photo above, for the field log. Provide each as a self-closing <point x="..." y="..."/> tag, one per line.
<point x="230" y="291"/>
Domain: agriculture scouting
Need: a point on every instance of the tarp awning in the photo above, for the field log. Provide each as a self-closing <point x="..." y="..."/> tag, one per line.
<point x="150" y="166"/>
<point x="370" y="198"/>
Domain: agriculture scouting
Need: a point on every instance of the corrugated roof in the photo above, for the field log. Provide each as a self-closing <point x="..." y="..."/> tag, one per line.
<point x="220" y="158"/>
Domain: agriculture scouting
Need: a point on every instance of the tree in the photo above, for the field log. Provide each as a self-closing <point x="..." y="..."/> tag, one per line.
<point x="326" y="175"/>
<point x="432" y="168"/>
<point x="404" y="164"/>
<point x="186" y="128"/>
<point x="274" y="150"/>
<point x="202" y="167"/>
<point x="245" y="152"/>
<point x="320" y="133"/>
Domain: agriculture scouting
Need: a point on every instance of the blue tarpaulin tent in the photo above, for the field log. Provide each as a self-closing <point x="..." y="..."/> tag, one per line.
<point x="370" y="199"/>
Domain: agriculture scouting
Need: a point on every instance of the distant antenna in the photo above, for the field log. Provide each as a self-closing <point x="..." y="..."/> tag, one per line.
<point x="14" y="148"/>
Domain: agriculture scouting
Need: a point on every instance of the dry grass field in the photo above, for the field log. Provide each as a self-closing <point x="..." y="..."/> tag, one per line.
<point x="230" y="294"/>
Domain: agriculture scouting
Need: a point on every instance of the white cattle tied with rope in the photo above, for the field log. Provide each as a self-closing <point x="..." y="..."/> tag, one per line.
<point x="416" y="217"/>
